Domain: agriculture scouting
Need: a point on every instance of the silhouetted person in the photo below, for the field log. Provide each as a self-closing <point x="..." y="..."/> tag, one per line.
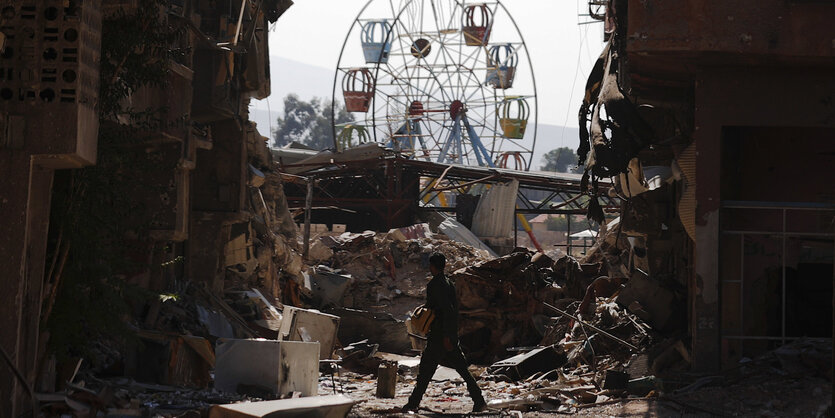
<point x="442" y="342"/>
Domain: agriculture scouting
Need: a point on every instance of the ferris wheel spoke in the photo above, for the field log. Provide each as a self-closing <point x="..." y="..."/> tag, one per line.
<point x="399" y="24"/>
<point x="428" y="94"/>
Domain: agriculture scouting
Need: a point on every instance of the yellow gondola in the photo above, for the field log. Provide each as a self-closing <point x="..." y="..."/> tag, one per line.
<point x="513" y="117"/>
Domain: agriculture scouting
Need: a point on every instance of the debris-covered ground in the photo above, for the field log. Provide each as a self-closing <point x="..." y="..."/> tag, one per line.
<point x="785" y="382"/>
<point x="546" y="337"/>
<point x="588" y="340"/>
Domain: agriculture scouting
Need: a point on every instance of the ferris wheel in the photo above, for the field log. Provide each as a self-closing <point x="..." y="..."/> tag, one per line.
<point x="438" y="80"/>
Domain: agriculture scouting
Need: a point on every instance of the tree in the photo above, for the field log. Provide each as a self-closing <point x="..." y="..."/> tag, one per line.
<point x="308" y="122"/>
<point x="557" y="223"/>
<point x="561" y="160"/>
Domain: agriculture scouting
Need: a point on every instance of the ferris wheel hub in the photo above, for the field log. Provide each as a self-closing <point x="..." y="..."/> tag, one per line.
<point x="416" y="109"/>
<point x="456" y="107"/>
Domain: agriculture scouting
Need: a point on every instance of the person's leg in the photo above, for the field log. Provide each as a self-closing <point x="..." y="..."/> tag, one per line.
<point x="426" y="369"/>
<point x="459" y="362"/>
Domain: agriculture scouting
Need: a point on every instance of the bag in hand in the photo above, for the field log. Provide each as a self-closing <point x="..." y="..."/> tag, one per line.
<point x="421" y="319"/>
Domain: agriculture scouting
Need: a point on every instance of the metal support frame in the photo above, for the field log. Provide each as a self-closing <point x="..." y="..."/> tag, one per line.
<point x="407" y="134"/>
<point x="455" y="139"/>
<point x="784" y="236"/>
<point x="385" y="176"/>
<point x="308" y="203"/>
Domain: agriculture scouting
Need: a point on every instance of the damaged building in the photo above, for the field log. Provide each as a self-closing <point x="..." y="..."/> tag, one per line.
<point x="125" y="135"/>
<point x="734" y="101"/>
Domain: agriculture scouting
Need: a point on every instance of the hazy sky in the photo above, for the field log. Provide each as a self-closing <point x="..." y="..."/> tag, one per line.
<point x="561" y="51"/>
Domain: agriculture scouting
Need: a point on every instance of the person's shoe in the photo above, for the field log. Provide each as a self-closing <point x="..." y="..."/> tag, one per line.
<point x="409" y="407"/>
<point x="480" y="406"/>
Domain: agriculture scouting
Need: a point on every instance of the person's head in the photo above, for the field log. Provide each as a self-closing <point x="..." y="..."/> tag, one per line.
<point x="437" y="262"/>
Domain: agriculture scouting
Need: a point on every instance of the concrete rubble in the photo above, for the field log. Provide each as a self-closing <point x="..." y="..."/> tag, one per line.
<point x="555" y="336"/>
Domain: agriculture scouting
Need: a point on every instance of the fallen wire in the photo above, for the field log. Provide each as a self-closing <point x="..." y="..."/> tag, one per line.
<point x="604" y="333"/>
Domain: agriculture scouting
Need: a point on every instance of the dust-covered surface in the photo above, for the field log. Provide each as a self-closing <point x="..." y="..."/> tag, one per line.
<point x="785" y="382"/>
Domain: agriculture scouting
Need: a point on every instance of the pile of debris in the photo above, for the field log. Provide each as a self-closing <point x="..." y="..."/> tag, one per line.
<point x="615" y="332"/>
<point x="373" y="280"/>
<point x="501" y="303"/>
<point x="388" y="272"/>
<point x="607" y="353"/>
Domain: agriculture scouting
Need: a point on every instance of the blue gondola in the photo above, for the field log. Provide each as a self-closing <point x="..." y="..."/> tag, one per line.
<point x="376" y="42"/>
<point x="501" y="66"/>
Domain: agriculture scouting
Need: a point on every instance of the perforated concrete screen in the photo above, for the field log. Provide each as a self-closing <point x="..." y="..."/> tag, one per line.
<point x="49" y="73"/>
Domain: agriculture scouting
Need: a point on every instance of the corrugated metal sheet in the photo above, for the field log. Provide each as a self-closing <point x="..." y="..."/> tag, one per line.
<point x="493" y="216"/>
<point x="457" y="232"/>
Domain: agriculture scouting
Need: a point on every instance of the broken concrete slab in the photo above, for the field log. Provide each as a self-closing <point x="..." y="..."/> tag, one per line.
<point x="523" y="365"/>
<point x="279" y="367"/>
<point x="332" y="406"/>
<point x="328" y="287"/>
<point x="446" y="374"/>
<point x="310" y="325"/>
<point x="319" y="252"/>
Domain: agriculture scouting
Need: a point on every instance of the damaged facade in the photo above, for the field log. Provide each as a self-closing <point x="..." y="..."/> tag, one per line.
<point x="735" y="102"/>
<point x="156" y="93"/>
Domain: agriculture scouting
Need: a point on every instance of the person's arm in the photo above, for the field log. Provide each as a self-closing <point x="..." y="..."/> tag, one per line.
<point x="447" y="306"/>
<point x="431" y="297"/>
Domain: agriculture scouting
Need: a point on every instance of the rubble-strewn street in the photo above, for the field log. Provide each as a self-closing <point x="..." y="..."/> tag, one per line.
<point x="774" y="385"/>
<point x="607" y="360"/>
